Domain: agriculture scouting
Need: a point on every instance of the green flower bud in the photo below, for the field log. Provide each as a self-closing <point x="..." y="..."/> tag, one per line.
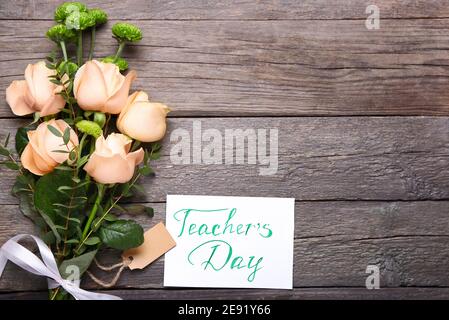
<point x="68" y="66"/>
<point x="99" y="16"/>
<point x="65" y="9"/>
<point x="89" y="127"/>
<point x="121" y="63"/>
<point x="126" y="32"/>
<point x="59" y="33"/>
<point x="100" y="118"/>
<point x="79" y="21"/>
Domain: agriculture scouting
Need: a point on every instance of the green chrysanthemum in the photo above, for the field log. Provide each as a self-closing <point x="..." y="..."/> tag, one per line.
<point x="59" y="33"/>
<point x="79" y="21"/>
<point x="90" y="128"/>
<point x="99" y="16"/>
<point x="126" y="32"/>
<point x="121" y="63"/>
<point x="68" y="66"/>
<point x="67" y="8"/>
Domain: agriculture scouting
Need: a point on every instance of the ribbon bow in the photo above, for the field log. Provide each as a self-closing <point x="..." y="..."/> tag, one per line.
<point x="47" y="267"/>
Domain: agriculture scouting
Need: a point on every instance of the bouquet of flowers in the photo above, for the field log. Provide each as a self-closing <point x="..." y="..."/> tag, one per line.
<point x="87" y="145"/>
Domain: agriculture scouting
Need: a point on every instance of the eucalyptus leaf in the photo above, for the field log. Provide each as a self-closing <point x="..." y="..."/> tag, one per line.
<point x="122" y="234"/>
<point x="21" y="139"/>
<point x="7" y="140"/>
<point x="11" y="165"/>
<point x="4" y="152"/>
<point x="92" y="241"/>
<point x="66" y="135"/>
<point x="55" y="131"/>
<point x="81" y="262"/>
<point x="146" y="170"/>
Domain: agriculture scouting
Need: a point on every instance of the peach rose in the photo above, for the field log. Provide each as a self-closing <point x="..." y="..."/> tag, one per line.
<point x="40" y="155"/>
<point x="36" y="93"/>
<point x="143" y="120"/>
<point x="100" y="86"/>
<point x="111" y="161"/>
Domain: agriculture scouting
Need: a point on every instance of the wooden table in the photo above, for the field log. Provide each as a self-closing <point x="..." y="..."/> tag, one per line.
<point x="363" y="131"/>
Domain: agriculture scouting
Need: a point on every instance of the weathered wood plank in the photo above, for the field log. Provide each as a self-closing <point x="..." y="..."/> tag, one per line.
<point x="334" y="243"/>
<point x="336" y="158"/>
<point x="232" y="9"/>
<point x="229" y="68"/>
<point x="254" y="294"/>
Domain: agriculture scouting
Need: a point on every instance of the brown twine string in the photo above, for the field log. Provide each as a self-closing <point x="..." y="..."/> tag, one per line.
<point x="104" y="268"/>
<point x="114" y="280"/>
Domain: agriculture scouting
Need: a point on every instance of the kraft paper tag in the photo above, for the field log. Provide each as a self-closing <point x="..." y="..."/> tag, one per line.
<point x="157" y="241"/>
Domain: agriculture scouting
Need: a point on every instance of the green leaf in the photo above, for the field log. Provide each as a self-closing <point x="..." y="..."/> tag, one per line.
<point x="110" y="217"/>
<point x="46" y="194"/>
<point x="145" y="158"/>
<point x="66" y="135"/>
<point x="136" y="209"/>
<point x="149" y="211"/>
<point x="55" y="131"/>
<point x="139" y="188"/>
<point x="155" y="155"/>
<point x="60" y="151"/>
<point x="63" y="168"/>
<point x="122" y="234"/>
<point x="72" y="155"/>
<point x="27" y="208"/>
<point x="7" y="140"/>
<point x="82" y="262"/>
<point x="48" y="238"/>
<point x="72" y="241"/>
<point x="92" y="241"/>
<point x="57" y="203"/>
<point x="145" y="170"/>
<point x="12" y="165"/>
<point x="4" y="152"/>
<point x="51" y="225"/>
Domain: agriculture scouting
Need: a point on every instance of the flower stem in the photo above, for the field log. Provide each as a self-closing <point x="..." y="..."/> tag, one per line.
<point x="119" y="50"/>
<point x="54" y="293"/>
<point x="92" y="43"/>
<point x="64" y="50"/>
<point x="79" y="51"/>
<point x="93" y="211"/>
<point x="106" y="213"/>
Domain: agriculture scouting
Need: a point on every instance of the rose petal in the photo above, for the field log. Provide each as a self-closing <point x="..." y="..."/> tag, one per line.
<point x="144" y="121"/>
<point x="53" y="105"/>
<point x="28" y="163"/>
<point x="19" y="98"/>
<point x="136" y="157"/>
<point x="90" y="87"/>
<point x="115" y="169"/>
<point x="36" y="76"/>
<point x="117" y="102"/>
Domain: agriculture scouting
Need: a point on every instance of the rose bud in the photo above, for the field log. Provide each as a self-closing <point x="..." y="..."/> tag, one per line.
<point x="111" y="161"/>
<point x="36" y="93"/>
<point x="143" y="120"/>
<point x="101" y="87"/>
<point x="45" y="150"/>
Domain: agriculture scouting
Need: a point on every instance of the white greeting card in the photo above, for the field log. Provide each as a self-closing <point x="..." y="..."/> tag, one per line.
<point x="230" y="242"/>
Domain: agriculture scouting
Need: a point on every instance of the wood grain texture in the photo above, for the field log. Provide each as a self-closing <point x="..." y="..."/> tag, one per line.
<point x="334" y="158"/>
<point x="369" y="190"/>
<point x="271" y="68"/>
<point x="233" y="9"/>
<point x="334" y="242"/>
<point x="255" y="294"/>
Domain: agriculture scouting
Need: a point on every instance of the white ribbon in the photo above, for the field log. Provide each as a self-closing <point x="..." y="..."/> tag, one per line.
<point x="47" y="267"/>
